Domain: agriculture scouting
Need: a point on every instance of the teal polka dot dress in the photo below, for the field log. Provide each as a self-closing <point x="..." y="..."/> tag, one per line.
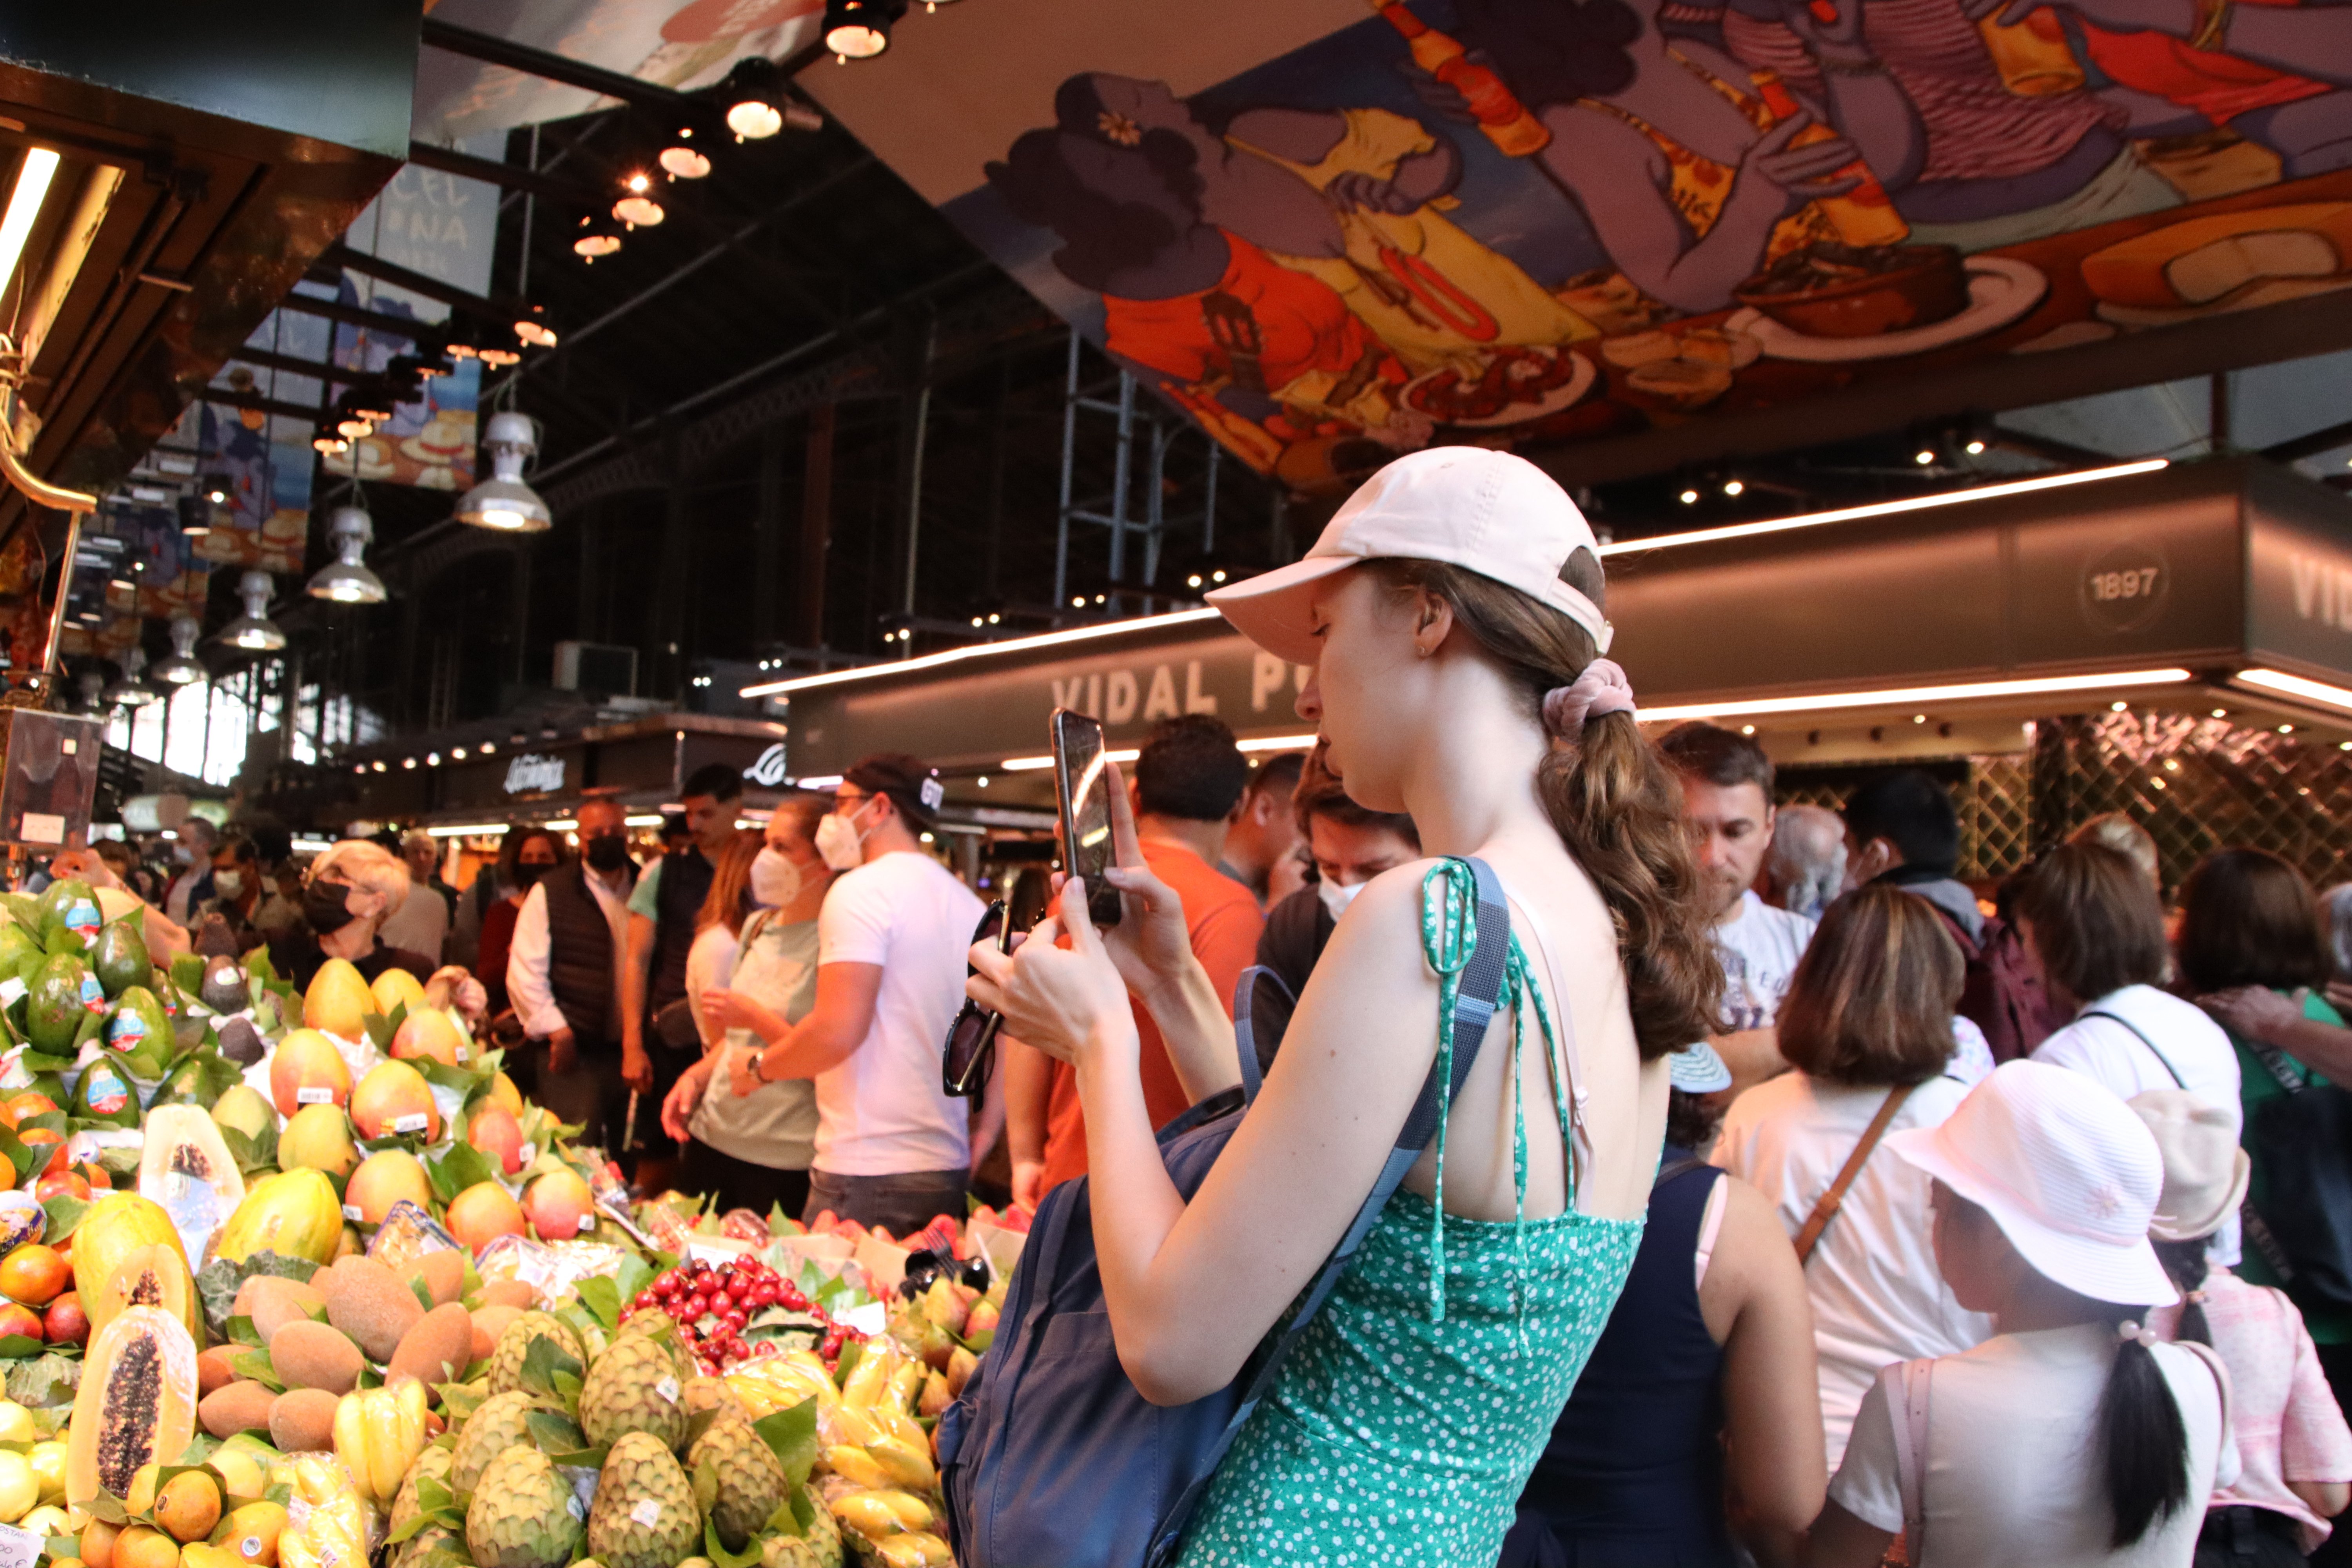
<point x="1408" y="1416"/>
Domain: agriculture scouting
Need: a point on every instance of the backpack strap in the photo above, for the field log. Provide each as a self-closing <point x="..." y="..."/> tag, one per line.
<point x="1244" y="1031"/>
<point x="2177" y="1082"/>
<point x="2280" y="1067"/>
<point x="1832" y="1200"/>
<point x="1474" y="1009"/>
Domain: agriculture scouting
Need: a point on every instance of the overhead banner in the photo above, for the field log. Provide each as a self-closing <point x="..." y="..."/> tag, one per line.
<point x="1331" y="233"/>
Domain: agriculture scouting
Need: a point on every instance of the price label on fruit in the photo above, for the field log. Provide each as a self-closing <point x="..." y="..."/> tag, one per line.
<point x="314" y="1094"/>
<point x="19" y="1548"/>
<point x="416" y="1122"/>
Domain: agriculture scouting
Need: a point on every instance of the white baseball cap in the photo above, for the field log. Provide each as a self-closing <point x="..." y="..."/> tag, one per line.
<point x="2066" y="1168"/>
<point x="1485" y="511"/>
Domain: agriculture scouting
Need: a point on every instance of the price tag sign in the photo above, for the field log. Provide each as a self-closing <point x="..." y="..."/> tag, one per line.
<point x="314" y="1094"/>
<point x="415" y="1121"/>
<point x="587" y="1223"/>
<point x="870" y="1318"/>
<point x="354" y="1212"/>
<point x="19" y="1548"/>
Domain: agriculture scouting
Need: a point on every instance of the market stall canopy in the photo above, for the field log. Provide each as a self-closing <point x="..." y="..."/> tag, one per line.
<point x="2164" y="583"/>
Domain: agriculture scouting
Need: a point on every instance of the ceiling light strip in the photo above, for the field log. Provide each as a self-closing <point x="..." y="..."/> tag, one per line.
<point x="1883" y="509"/>
<point x="33" y="179"/>
<point x="2287" y="685"/>
<point x="976" y="651"/>
<point x="1914" y="695"/>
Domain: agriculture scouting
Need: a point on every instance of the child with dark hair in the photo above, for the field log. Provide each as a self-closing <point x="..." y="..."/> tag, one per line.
<point x="2293" y="1448"/>
<point x="2075" y="1434"/>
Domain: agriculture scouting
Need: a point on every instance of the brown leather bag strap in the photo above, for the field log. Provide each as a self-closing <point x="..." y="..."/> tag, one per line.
<point x="1826" y="1210"/>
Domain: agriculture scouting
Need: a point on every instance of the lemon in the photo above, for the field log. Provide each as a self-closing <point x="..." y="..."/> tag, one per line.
<point x="48" y="1462"/>
<point x="16" y="1423"/>
<point x="47" y="1519"/>
<point x="20" y="1489"/>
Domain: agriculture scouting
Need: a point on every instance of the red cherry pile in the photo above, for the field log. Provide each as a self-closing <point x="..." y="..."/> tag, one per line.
<point x="710" y="1307"/>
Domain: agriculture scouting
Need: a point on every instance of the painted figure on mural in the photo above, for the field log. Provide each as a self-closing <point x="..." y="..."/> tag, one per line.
<point x="1355" y="197"/>
<point x="1691" y="178"/>
<point x="1268" y="357"/>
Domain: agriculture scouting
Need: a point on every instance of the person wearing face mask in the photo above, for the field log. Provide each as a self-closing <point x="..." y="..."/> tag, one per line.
<point x="241" y="897"/>
<point x="563" y="976"/>
<point x="192" y="870"/>
<point x="350" y="891"/>
<point x="1349" y="847"/>
<point x="1190" y="784"/>
<point x="891" y="1149"/>
<point x="525" y="855"/>
<point x="759" y="937"/>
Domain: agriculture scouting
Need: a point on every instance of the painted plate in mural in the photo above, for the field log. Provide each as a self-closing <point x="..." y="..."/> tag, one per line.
<point x="1509" y="386"/>
<point x="2001" y="290"/>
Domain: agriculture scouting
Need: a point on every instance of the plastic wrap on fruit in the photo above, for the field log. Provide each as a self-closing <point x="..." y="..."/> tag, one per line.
<point x="329" y="1523"/>
<point x="774" y="1382"/>
<point x="517" y="1257"/>
<point x="570" y="1262"/>
<point x="408" y="1234"/>
<point x="742" y="1224"/>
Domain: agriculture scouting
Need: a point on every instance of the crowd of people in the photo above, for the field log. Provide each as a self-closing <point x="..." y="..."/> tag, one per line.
<point x="1806" y="1204"/>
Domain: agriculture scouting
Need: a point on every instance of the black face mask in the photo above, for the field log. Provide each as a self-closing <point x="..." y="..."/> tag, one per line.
<point x="607" y="852"/>
<point x="327" y="906"/>
<point x="526" y="874"/>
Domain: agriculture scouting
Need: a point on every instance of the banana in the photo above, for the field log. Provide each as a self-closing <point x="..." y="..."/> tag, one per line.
<point x="855" y="1466"/>
<point x="906" y="1464"/>
<point x="378" y="1434"/>
<point x="387" y="1458"/>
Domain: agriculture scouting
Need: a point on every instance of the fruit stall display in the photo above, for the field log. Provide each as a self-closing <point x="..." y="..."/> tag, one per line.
<point x="302" y="1278"/>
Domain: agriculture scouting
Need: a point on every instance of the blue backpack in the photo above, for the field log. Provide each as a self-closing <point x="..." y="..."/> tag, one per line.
<point x="1051" y="1459"/>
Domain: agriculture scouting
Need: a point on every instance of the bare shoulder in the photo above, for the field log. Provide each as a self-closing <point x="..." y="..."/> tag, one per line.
<point x="1752" y="1255"/>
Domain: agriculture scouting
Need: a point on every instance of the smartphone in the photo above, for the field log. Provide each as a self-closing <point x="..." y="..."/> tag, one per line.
<point x="1081" y="795"/>
<point x="970" y="1051"/>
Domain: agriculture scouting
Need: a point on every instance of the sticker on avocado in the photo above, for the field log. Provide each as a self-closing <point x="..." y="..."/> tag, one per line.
<point x="10" y="989"/>
<point x="82" y="919"/>
<point x="128" y="1032"/>
<point x="106" y="1093"/>
<point x="93" y="995"/>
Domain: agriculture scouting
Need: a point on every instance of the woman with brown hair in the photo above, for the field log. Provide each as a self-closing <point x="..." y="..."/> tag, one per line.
<point x="755" y="939"/>
<point x="1867" y="1023"/>
<point x="1451" y="612"/>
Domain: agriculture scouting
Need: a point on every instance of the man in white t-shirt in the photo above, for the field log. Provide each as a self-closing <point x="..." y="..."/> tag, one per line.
<point x="1726" y="782"/>
<point x="892" y="1149"/>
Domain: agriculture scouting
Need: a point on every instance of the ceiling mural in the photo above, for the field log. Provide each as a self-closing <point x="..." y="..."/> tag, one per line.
<point x="1506" y="221"/>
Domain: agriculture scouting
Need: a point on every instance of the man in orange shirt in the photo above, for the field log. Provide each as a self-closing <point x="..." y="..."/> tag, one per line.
<point x="1188" y="787"/>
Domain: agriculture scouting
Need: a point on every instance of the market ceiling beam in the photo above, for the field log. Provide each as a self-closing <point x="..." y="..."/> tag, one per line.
<point x="500" y="311"/>
<point x="512" y="176"/>
<point x="2325" y="439"/>
<point x="266" y="405"/>
<point x="356" y="316"/>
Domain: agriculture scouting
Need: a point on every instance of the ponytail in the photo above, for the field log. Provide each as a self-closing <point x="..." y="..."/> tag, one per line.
<point x="2140" y="1433"/>
<point x="2185" y="1261"/>
<point x="1613" y="803"/>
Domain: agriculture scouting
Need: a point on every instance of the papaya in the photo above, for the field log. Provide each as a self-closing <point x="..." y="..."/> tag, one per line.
<point x="119" y="958"/>
<point x="136" y="1404"/>
<point x="293" y="1214"/>
<point x="186" y="1167"/>
<point x="337" y="1000"/>
<point x="150" y="1277"/>
<point x="105" y="1094"/>
<point x="117" y="1225"/>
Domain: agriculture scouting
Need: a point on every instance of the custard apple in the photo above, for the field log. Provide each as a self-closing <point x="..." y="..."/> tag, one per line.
<point x="525" y="1515"/>
<point x="644" y="1515"/>
<point x="635" y="1387"/>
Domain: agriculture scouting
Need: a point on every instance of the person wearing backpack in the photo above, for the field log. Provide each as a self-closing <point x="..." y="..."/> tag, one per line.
<point x="2074" y="1435"/>
<point x="1902" y="830"/>
<point x="1452" y="614"/>
<point x="2294" y="1451"/>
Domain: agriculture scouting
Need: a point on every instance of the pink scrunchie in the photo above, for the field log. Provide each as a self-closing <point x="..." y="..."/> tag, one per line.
<point x="1602" y="688"/>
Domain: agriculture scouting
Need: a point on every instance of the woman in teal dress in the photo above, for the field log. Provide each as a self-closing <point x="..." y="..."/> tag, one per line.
<point x="1451" y="615"/>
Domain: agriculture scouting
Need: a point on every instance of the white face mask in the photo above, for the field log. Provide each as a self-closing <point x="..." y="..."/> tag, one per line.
<point x="1336" y="896"/>
<point x="228" y="884"/>
<point x="838" y="841"/>
<point x="776" y="878"/>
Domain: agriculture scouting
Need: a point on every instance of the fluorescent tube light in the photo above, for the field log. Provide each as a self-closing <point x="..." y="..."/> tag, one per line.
<point x="24" y="207"/>
<point x="2297" y="686"/>
<point x="1913" y="696"/>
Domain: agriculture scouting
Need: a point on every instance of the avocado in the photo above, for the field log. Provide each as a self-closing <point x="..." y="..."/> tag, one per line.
<point x="185" y="1086"/>
<point x="223" y="988"/>
<point x="137" y="1032"/>
<point x="213" y="938"/>
<point x="71" y="905"/>
<point x="118" y="958"/>
<point x="106" y="1094"/>
<point x="240" y="1043"/>
<point x="53" y="1003"/>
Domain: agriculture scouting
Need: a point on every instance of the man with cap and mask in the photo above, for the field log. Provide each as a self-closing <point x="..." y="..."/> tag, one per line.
<point x="563" y="973"/>
<point x="891" y="1148"/>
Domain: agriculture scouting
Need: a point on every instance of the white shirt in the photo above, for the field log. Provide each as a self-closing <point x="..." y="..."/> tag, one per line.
<point x="2011" y="1474"/>
<point x="421" y="924"/>
<point x="775" y="1124"/>
<point x="527" y="983"/>
<point x="183" y="887"/>
<point x="880" y="1111"/>
<point x="2196" y="1047"/>
<point x="1876" y="1293"/>
<point x="1760" y="947"/>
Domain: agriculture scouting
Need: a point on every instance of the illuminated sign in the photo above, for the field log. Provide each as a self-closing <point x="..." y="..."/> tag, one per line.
<point x="531" y="773"/>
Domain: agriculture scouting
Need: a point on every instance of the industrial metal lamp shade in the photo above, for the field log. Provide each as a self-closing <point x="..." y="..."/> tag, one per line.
<point x="504" y="501"/>
<point x="348" y="580"/>
<point x="859" y="29"/>
<point x="131" y="691"/>
<point x="254" y="631"/>
<point x="754" y="94"/>
<point x="182" y="669"/>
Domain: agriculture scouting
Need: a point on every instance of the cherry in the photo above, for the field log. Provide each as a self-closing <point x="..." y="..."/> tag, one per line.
<point x="722" y="1298"/>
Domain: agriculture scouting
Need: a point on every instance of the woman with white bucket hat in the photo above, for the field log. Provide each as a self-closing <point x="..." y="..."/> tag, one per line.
<point x="2294" y="1451"/>
<point x="2073" y="1434"/>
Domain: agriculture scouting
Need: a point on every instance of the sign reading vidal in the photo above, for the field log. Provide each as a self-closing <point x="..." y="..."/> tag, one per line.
<point x="1331" y="234"/>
